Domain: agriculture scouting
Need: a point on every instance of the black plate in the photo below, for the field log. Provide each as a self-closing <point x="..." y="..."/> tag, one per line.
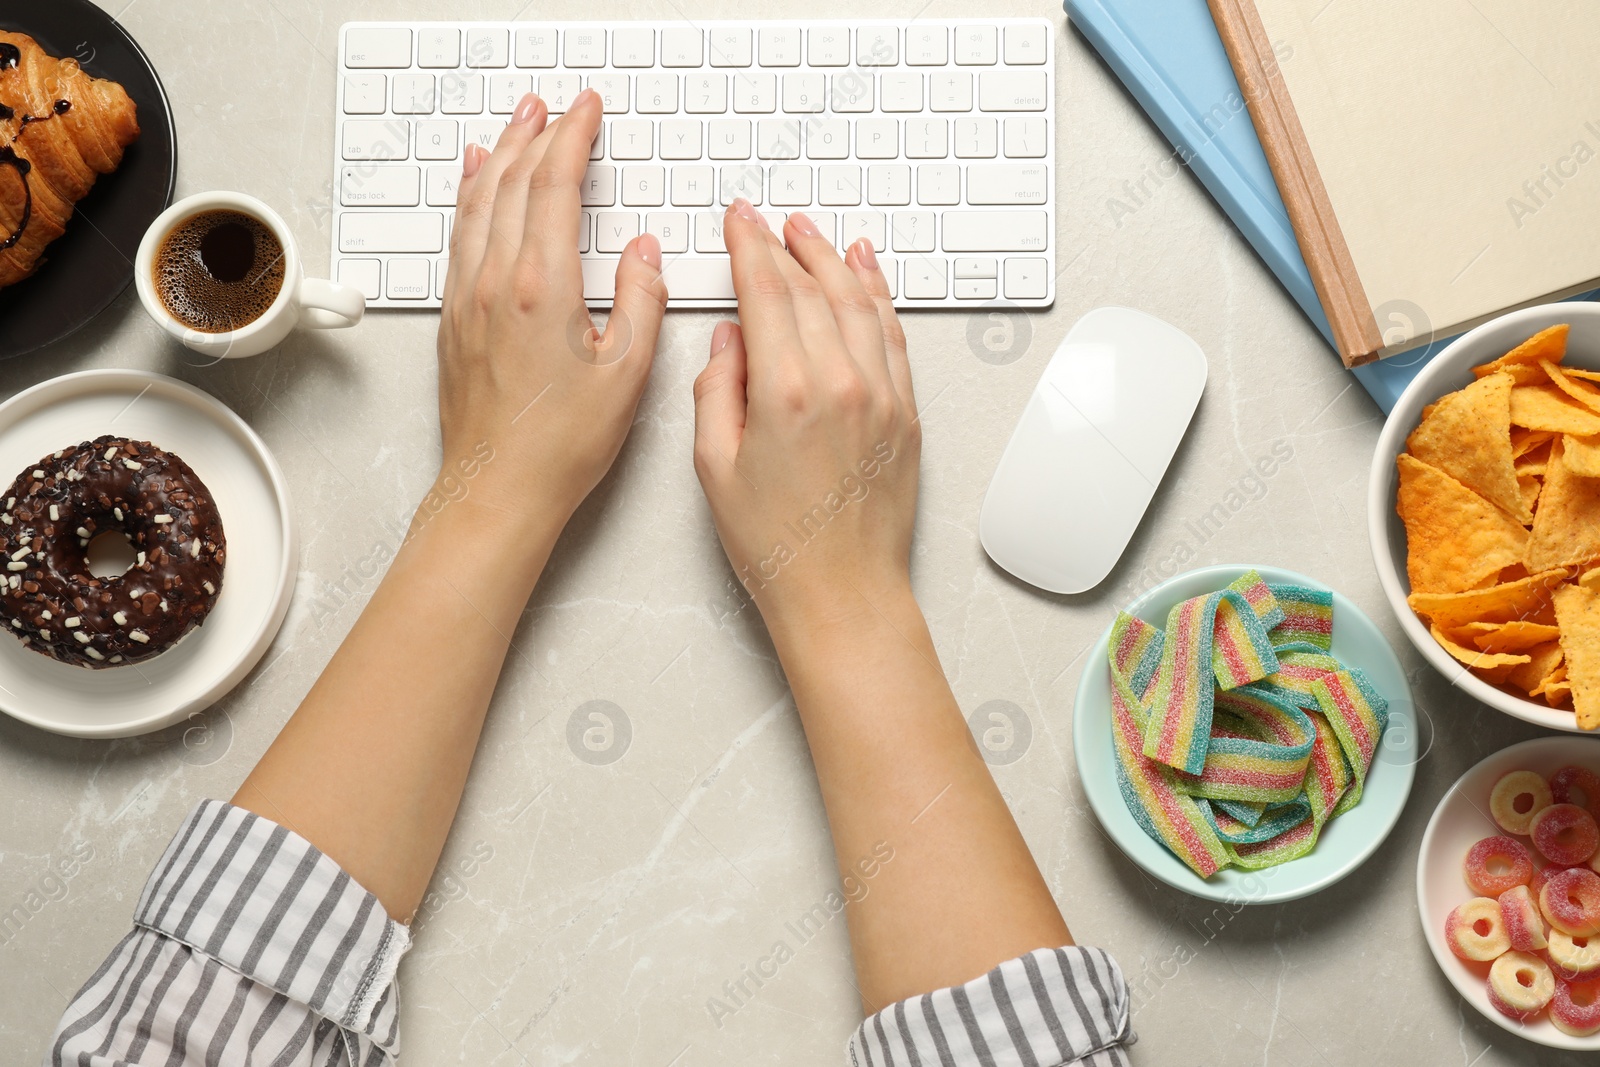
<point x="92" y="263"/>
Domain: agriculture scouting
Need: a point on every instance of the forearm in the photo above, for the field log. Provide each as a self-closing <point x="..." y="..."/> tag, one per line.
<point x="897" y="766"/>
<point x="371" y="767"/>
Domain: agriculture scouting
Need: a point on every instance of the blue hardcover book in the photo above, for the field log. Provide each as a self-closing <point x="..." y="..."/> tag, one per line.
<point x="1169" y="56"/>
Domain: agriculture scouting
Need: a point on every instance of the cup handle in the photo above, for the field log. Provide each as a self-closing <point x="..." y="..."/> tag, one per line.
<point x="330" y="306"/>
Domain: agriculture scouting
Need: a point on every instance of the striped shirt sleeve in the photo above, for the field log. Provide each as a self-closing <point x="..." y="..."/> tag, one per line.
<point x="249" y="946"/>
<point x="1050" y="1008"/>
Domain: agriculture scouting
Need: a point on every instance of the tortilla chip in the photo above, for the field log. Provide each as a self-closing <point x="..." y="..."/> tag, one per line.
<point x="1581" y="455"/>
<point x="1530" y="486"/>
<point x="1474" y="657"/>
<point x="1543" y="660"/>
<point x="1516" y="636"/>
<point x="1579" y="372"/>
<point x="1514" y="573"/>
<point x="1590" y="579"/>
<point x="1546" y="407"/>
<point x="1582" y="392"/>
<point x="1567" y="528"/>
<point x="1558" y="693"/>
<point x="1527" y="598"/>
<point x="1524" y="442"/>
<point x="1498" y="675"/>
<point x="1555" y="677"/>
<point x="1468" y="436"/>
<point x="1454" y="537"/>
<point x="1578" y="612"/>
<point x="1549" y="344"/>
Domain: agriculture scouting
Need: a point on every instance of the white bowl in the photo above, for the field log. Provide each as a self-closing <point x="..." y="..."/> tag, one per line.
<point x="1346" y="841"/>
<point x="1451" y="370"/>
<point x="1459" y="822"/>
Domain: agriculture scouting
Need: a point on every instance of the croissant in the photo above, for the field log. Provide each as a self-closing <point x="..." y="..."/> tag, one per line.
<point x="60" y="129"/>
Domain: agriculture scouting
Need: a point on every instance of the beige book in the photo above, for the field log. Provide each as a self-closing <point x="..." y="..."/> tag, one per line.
<point x="1440" y="159"/>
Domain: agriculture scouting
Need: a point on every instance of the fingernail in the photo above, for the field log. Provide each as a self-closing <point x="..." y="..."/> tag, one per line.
<point x="869" y="258"/>
<point x="525" y="109"/>
<point x="720" y="336"/>
<point x="803" y="224"/>
<point x="744" y="209"/>
<point x="472" y="162"/>
<point x="586" y="93"/>
<point x="650" y="249"/>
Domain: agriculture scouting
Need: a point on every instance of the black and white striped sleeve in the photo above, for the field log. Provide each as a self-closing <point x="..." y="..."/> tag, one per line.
<point x="1050" y="1008"/>
<point x="249" y="946"/>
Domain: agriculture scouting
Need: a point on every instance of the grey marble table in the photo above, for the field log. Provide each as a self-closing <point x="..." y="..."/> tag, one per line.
<point x="597" y="912"/>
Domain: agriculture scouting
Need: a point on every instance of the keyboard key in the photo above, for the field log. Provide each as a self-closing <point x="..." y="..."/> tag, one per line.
<point x="682" y="47"/>
<point x="380" y="186"/>
<point x="852" y="92"/>
<point x="391" y="231"/>
<point x="632" y="138"/>
<point x="927" y="138"/>
<point x="442" y="185"/>
<point x="972" y="267"/>
<point x="950" y="91"/>
<point x="365" y="139"/>
<point x="877" y="46"/>
<point x="828" y="138"/>
<point x="1027" y="278"/>
<point x="913" y="231"/>
<point x="889" y="184"/>
<point x="656" y="94"/>
<point x="1026" y="44"/>
<point x="557" y="90"/>
<point x="755" y="92"/>
<point x="599" y="186"/>
<point x="790" y="186"/>
<point x="633" y="46"/>
<point x="900" y="90"/>
<point x="362" y="274"/>
<point x="614" y="229"/>
<point x="409" y="278"/>
<point x="506" y="89"/>
<point x="938" y="183"/>
<point x="585" y="228"/>
<point x="692" y="186"/>
<point x="975" y="138"/>
<point x="613" y="90"/>
<point x="413" y="94"/>
<point x="975" y="46"/>
<point x="1025" y="136"/>
<point x="438" y="48"/>
<point x="441" y="268"/>
<point x="974" y="288"/>
<point x="461" y="94"/>
<point x="585" y="48"/>
<point x="729" y="139"/>
<point x="730" y="46"/>
<point x="742" y="179"/>
<point x="482" y="132"/>
<point x="644" y="186"/>
<point x="778" y="139"/>
<point x="535" y="47"/>
<point x="877" y="138"/>
<point x="699" y="279"/>
<point x="671" y="229"/>
<point x="681" y="138"/>
<point x="995" y="231"/>
<point x="927" y="46"/>
<point x="487" y="48"/>
<point x="828" y="46"/>
<point x="1008" y="183"/>
<point x="365" y="94"/>
<point x="708" y="233"/>
<point x="802" y="93"/>
<point x="1011" y="90"/>
<point x="838" y="185"/>
<point x="705" y="94"/>
<point x="372" y="46"/>
<point x="925" y="278"/>
<point x="778" y="46"/>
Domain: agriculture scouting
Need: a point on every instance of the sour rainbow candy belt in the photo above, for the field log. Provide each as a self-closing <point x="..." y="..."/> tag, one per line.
<point x="1238" y="736"/>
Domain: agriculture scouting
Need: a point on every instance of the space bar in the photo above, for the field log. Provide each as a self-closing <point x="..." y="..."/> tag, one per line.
<point x="709" y="278"/>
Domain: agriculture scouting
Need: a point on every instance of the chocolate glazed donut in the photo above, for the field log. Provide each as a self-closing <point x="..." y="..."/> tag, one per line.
<point x="55" y="508"/>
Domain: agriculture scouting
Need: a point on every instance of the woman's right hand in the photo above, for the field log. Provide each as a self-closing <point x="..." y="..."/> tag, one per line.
<point x="806" y="433"/>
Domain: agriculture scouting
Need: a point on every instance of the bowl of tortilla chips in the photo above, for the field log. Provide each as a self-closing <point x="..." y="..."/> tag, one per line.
<point x="1483" y="510"/>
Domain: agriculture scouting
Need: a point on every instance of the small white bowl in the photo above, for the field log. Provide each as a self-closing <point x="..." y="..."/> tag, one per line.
<point x="1460" y="821"/>
<point x="1451" y="370"/>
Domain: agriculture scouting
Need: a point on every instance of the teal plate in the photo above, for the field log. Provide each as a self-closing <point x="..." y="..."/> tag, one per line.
<point x="1346" y="841"/>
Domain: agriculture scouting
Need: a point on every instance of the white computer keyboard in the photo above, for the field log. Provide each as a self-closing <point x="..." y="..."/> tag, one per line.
<point x="934" y="139"/>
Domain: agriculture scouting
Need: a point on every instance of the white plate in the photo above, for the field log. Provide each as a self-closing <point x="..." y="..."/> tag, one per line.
<point x="1346" y="840"/>
<point x="1462" y="820"/>
<point x="1445" y="373"/>
<point x="253" y="501"/>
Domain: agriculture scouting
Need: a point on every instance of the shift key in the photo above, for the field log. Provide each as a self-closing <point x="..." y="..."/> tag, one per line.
<point x="395" y="231"/>
<point x="993" y="231"/>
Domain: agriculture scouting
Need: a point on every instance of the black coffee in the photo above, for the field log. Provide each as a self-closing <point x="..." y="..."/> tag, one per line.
<point x="219" y="271"/>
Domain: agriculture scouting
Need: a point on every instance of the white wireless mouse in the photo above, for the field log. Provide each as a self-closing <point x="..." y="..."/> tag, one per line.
<point x="1092" y="446"/>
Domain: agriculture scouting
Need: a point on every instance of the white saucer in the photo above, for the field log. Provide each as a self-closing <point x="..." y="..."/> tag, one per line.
<point x="253" y="500"/>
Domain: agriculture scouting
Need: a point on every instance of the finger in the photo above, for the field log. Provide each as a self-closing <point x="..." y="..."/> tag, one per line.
<point x="854" y="311"/>
<point x="477" y="199"/>
<point x="472" y="161"/>
<point x="637" y="308"/>
<point x="864" y="261"/>
<point x="550" y="237"/>
<point x="765" y="304"/>
<point x="720" y="402"/>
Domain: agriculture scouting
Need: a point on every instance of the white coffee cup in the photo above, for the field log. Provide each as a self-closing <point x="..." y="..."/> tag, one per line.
<point x="313" y="302"/>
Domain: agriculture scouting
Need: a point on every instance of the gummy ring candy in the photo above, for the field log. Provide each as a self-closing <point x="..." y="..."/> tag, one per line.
<point x="1520" y="985"/>
<point x="1495" y="864"/>
<point x="1570" y="901"/>
<point x="1476" y="930"/>
<point x="1573" y="958"/>
<point x="1565" y="834"/>
<point x="1517" y="797"/>
<point x="1541" y="875"/>
<point x="1575" y="1008"/>
<point x="1570" y="783"/>
<point x="1524" y="924"/>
